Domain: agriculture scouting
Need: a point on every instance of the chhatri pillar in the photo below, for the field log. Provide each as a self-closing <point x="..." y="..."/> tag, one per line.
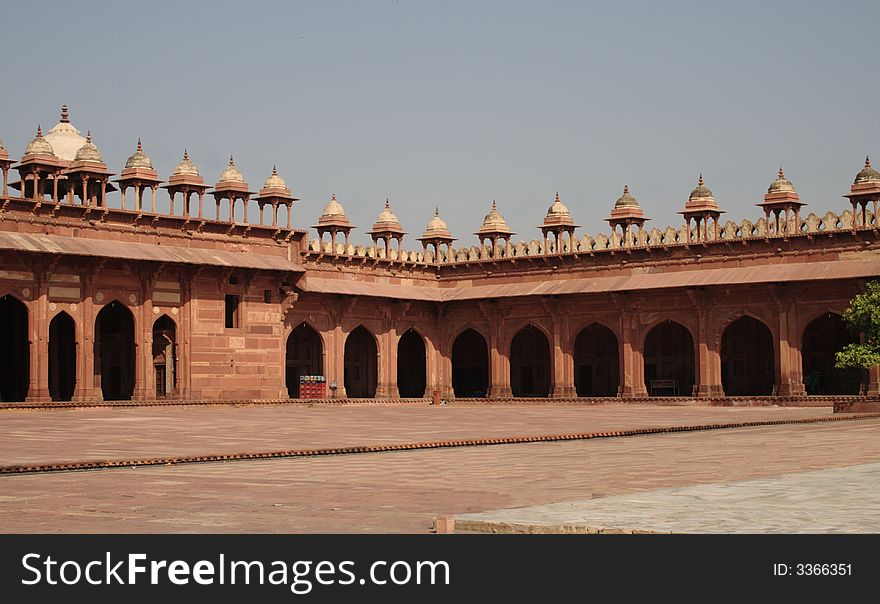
<point x="627" y="214"/>
<point x="782" y="202"/>
<point x="274" y="194"/>
<point x="558" y="221"/>
<point x="38" y="164"/>
<point x="493" y="229"/>
<point x="700" y="208"/>
<point x="386" y="228"/>
<point x="88" y="176"/>
<point x="139" y="174"/>
<point x="186" y="180"/>
<point x="233" y="187"/>
<point x="865" y="190"/>
<point x="437" y="234"/>
<point x="5" y="162"/>
<point x="333" y="220"/>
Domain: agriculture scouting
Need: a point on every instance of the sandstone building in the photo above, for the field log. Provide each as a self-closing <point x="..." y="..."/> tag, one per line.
<point x="102" y="297"/>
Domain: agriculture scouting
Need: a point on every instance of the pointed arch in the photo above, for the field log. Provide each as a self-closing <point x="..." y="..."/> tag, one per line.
<point x="115" y="351"/>
<point x="412" y="360"/>
<point x="596" y="361"/>
<point x="669" y="360"/>
<point x="747" y="363"/>
<point x="530" y="363"/>
<point x="62" y="357"/>
<point x="14" y="349"/>
<point x="361" y="363"/>
<point x="165" y="356"/>
<point x="470" y="365"/>
<point x="304" y="356"/>
<point x="823" y="337"/>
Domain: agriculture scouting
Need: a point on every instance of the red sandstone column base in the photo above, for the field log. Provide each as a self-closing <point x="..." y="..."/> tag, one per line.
<point x="87" y="395"/>
<point x="709" y="391"/>
<point x="633" y="392"/>
<point x="36" y="395"/>
<point x="500" y="392"/>
<point x="792" y="389"/>
<point x="563" y="392"/>
<point x="873" y="389"/>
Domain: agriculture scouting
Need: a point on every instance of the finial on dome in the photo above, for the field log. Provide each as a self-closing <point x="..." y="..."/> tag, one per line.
<point x="274" y="171"/>
<point x="65" y="114"/>
<point x="626" y="189"/>
<point x="493" y="204"/>
<point x="89" y="136"/>
<point x="231" y="161"/>
<point x="333" y="197"/>
<point x="781" y="173"/>
<point x="140" y="147"/>
<point x="557" y="195"/>
<point x="39" y="131"/>
<point x="436" y="210"/>
<point x="700" y="182"/>
<point x="387" y="203"/>
<point x="185" y="154"/>
<point x="867" y="162"/>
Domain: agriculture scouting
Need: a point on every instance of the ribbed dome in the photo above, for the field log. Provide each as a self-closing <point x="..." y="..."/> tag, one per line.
<point x="39" y="146"/>
<point x="626" y="200"/>
<point x="437" y="228"/>
<point x="89" y="152"/>
<point x="231" y="173"/>
<point x="274" y="181"/>
<point x="386" y="220"/>
<point x="494" y="222"/>
<point x="66" y="140"/>
<point x="333" y="208"/>
<point x="867" y="174"/>
<point x="139" y="159"/>
<point x="781" y="184"/>
<point x="557" y="213"/>
<point x="701" y="191"/>
<point x="185" y="167"/>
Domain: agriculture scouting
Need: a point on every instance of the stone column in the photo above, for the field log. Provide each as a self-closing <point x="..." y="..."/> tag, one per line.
<point x="499" y="365"/>
<point x="144" y="378"/>
<point x="38" y="387"/>
<point x="874" y="381"/>
<point x="87" y="386"/>
<point x="708" y="358"/>
<point x="184" y="338"/>
<point x="632" y="361"/>
<point x="387" y="359"/>
<point x="791" y="380"/>
<point x="338" y="353"/>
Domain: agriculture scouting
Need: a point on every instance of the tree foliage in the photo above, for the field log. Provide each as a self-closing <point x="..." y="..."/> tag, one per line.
<point x="863" y="316"/>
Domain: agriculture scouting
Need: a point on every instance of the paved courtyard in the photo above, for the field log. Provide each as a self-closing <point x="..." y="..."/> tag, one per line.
<point x="386" y="492"/>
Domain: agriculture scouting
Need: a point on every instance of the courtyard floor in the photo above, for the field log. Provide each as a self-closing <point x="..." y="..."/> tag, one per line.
<point x="386" y="492"/>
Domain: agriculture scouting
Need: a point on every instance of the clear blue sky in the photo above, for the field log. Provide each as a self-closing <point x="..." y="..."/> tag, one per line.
<point x="458" y="103"/>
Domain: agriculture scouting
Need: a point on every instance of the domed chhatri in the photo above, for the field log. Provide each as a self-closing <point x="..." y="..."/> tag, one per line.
<point x="866" y="174"/>
<point x="39" y="147"/>
<point x="865" y="190"/>
<point x="700" y="208"/>
<point x="88" y="152"/>
<point x="387" y="222"/>
<point x="333" y="213"/>
<point x="66" y="140"/>
<point x="333" y="220"/>
<point x="275" y="193"/>
<point x="139" y="159"/>
<point x="701" y="191"/>
<point x="494" y="224"/>
<point x="626" y="200"/>
<point x="701" y="198"/>
<point x="231" y="174"/>
<point x="185" y="167"/>
<point x="781" y="184"/>
<point x="437" y="228"/>
<point x="558" y="214"/>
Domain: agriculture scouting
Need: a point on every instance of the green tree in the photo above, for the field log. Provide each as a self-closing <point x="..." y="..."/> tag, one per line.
<point x="863" y="316"/>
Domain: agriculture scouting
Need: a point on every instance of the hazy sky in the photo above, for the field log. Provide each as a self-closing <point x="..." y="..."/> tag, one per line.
<point x="459" y="103"/>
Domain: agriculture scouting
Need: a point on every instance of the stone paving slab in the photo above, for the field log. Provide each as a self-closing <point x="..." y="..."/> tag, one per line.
<point x="838" y="500"/>
<point x="40" y="437"/>
<point x="402" y="492"/>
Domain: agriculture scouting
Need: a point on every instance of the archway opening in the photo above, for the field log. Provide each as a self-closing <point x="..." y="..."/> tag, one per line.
<point x="824" y="337"/>
<point x="62" y="357"/>
<point x="411" y="361"/>
<point x="361" y="364"/>
<point x="114" y="354"/>
<point x="14" y="350"/>
<point x="470" y="365"/>
<point x="596" y="362"/>
<point x="669" y="360"/>
<point x="747" y="367"/>
<point x="530" y="363"/>
<point x="305" y="356"/>
<point x="165" y="356"/>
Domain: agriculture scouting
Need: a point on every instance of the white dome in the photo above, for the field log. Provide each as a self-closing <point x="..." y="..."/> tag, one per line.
<point x="64" y="138"/>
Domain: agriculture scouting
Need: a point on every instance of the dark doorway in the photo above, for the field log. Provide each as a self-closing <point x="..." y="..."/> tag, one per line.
<point x="15" y="358"/>
<point x="411" y="361"/>
<point x="305" y="356"/>
<point x="669" y="360"/>
<point x="823" y="338"/>
<point x="470" y="365"/>
<point x="530" y="363"/>
<point x="114" y="351"/>
<point x="165" y="356"/>
<point x="747" y="367"/>
<point x="596" y="362"/>
<point x="361" y="364"/>
<point x="62" y="357"/>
